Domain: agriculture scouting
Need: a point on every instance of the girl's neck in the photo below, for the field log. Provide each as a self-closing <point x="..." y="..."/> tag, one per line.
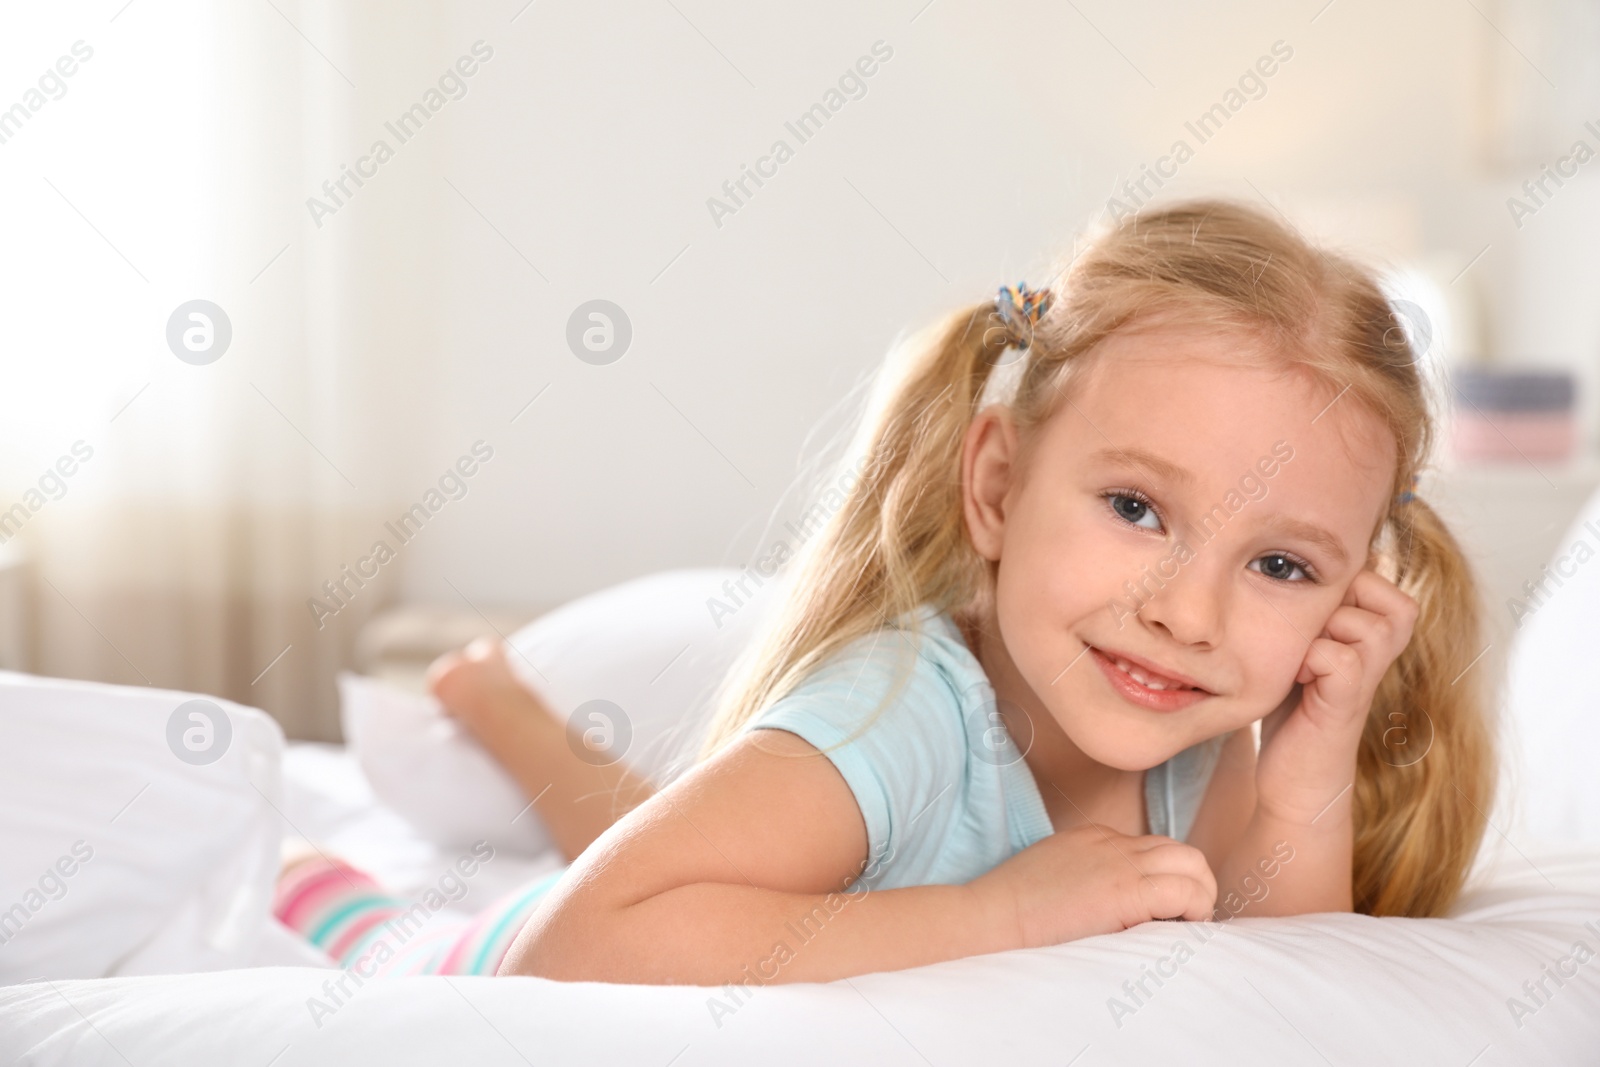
<point x="1075" y="787"/>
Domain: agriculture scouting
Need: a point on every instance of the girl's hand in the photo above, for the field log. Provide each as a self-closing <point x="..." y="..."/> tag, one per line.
<point x="1308" y="745"/>
<point x="1093" y="880"/>
<point x="476" y="686"/>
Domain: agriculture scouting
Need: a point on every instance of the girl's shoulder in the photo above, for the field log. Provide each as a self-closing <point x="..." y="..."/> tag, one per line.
<point x="928" y="639"/>
<point x="913" y="675"/>
<point x="907" y="716"/>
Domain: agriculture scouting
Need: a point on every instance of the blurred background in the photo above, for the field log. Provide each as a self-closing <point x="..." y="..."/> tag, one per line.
<point x="529" y="294"/>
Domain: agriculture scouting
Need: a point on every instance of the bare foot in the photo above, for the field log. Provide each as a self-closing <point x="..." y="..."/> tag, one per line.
<point x="576" y="800"/>
<point x="476" y="686"/>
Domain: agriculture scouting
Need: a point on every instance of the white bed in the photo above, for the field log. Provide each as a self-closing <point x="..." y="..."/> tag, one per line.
<point x="1338" y="989"/>
<point x="1335" y="989"/>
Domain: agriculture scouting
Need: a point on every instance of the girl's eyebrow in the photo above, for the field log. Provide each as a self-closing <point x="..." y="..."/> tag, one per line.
<point x="1137" y="457"/>
<point x="1313" y="533"/>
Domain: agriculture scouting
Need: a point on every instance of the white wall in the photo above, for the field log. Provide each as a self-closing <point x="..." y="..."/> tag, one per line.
<point x="593" y="138"/>
<point x="373" y="347"/>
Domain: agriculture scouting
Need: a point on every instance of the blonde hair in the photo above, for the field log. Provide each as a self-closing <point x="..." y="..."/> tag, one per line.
<point x="899" y="541"/>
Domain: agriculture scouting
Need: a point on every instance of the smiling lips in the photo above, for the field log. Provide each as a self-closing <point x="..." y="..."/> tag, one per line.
<point x="1147" y="688"/>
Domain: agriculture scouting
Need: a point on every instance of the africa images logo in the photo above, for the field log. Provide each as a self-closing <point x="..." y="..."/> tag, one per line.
<point x="199" y="732"/>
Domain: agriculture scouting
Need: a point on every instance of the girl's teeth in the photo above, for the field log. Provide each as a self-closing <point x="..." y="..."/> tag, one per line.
<point x="1142" y="678"/>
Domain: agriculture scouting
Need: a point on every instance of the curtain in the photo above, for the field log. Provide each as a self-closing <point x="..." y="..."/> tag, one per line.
<point x="192" y="514"/>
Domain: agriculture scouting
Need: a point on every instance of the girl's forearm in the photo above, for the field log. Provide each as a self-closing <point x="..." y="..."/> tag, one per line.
<point x="576" y="800"/>
<point x="710" y="933"/>
<point x="1281" y="868"/>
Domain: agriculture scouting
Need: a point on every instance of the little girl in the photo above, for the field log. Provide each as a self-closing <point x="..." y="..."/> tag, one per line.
<point x="1009" y="700"/>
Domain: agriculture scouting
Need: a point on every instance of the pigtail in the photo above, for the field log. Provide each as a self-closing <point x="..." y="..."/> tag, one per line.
<point x="899" y="539"/>
<point x="1425" y="767"/>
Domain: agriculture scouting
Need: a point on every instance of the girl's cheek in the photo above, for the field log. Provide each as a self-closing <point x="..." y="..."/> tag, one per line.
<point x="1066" y="573"/>
<point x="1052" y="545"/>
<point x="1273" y="651"/>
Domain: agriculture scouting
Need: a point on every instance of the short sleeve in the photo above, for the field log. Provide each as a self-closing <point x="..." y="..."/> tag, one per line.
<point x="907" y="767"/>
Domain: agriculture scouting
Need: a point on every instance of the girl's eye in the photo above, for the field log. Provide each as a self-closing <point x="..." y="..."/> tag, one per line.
<point x="1278" y="566"/>
<point x="1134" y="510"/>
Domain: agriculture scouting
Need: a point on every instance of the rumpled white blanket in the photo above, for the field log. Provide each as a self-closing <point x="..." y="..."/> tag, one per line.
<point x="1339" y="989"/>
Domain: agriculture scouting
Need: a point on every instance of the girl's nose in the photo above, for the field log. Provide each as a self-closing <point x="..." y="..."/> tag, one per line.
<point x="1191" y="606"/>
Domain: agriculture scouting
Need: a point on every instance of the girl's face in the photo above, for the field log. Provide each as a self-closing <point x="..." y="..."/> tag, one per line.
<point x="1183" y="510"/>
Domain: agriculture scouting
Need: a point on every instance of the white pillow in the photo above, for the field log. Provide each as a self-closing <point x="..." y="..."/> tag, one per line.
<point x="1552" y="706"/>
<point x="431" y="771"/>
<point x="634" y="665"/>
<point x="652" y="646"/>
<point x="136" y="839"/>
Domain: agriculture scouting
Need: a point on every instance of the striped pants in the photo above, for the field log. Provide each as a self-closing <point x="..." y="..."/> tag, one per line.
<point x="344" y="912"/>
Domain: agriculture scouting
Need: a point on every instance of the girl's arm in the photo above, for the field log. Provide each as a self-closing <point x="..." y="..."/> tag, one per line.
<point x="1295" y="853"/>
<point x="1265" y="866"/>
<point x="736" y="873"/>
<point x="1290" y="868"/>
<point x="576" y="800"/>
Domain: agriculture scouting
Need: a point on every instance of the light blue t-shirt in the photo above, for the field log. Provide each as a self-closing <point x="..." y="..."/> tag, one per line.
<point x="943" y="787"/>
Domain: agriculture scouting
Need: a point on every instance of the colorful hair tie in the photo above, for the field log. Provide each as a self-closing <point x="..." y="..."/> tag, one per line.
<point x="1410" y="494"/>
<point x="1021" y="308"/>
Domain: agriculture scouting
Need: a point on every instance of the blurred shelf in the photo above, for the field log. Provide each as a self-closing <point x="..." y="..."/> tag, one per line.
<point x="398" y="645"/>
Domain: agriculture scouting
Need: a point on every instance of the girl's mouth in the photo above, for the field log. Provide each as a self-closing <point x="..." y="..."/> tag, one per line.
<point x="1146" y="688"/>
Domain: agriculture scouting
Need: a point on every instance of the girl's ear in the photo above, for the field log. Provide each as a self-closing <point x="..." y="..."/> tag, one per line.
<point x="988" y="466"/>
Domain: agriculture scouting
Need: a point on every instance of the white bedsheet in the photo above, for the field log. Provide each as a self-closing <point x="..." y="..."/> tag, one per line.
<point x="327" y="799"/>
<point x="1340" y="989"/>
<point x="1312" y="989"/>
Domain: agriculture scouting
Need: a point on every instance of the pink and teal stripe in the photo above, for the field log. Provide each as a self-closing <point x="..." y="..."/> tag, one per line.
<point x="344" y="912"/>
